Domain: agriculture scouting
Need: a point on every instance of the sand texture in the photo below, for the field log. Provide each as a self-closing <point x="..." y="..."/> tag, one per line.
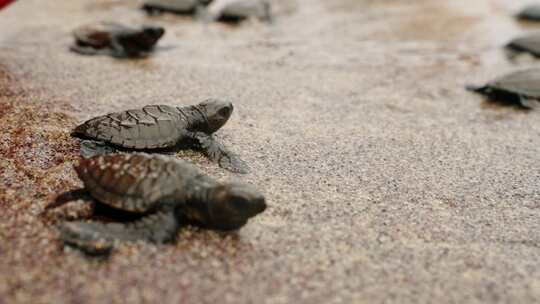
<point x="386" y="181"/>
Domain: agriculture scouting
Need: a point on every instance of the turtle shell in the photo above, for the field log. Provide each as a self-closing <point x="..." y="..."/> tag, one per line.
<point x="98" y="35"/>
<point x="236" y="10"/>
<point x="130" y="182"/>
<point x="529" y="44"/>
<point x="152" y="127"/>
<point x="521" y="87"/>
<point x="173" y="6"/>
<point x="524" y="83"/>
<point x="530" y="13"/>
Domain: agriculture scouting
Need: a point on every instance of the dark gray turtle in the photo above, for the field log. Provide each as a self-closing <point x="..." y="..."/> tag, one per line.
<point x="159" y="127"/>
<point x="182" y="7"/>
<point x="161" y="193"/>
<point x="530" y="13"/>
<point x="521" y="88"/>
<point x="238" y="10"/>
<point x="527" y="44"/>
<point x="116" y="40"/>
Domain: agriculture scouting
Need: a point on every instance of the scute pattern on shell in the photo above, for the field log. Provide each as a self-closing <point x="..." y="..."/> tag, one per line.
<point x="129" y="182"/>
<point x="155" y="126"/>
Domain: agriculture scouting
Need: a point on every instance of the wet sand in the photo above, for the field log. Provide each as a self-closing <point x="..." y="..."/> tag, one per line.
<point x="386" y="181"/>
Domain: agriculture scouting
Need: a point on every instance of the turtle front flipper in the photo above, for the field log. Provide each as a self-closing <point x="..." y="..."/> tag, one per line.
<point x="99" y="238"/>
<point x="218" y="153"/>
<point x="91" y="148"/>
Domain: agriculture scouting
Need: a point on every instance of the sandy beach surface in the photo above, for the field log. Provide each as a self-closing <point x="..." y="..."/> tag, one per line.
<point x="386" y="181"/>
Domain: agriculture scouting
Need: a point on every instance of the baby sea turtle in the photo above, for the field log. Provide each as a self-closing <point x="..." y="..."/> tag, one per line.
<point x="159" y="127"/>
<point x="182" y="7"/>
<point x="162" y="191"/>
<point x="116" y="40"/>
<point x="238" y="10"/>
<point x="521" y="88"/>
<point x="527" y="44"/>
<point x="530" y="13"/>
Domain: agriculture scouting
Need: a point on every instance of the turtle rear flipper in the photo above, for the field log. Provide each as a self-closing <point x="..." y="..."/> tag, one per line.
<point x="99" y="238"/>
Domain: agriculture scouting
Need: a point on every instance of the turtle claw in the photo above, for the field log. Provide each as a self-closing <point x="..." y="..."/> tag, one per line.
<point x="233" y="163"/>
<point x="219" y="154"/>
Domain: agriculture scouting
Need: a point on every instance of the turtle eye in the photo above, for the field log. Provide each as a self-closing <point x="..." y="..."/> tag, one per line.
<point x="240" y="203"/>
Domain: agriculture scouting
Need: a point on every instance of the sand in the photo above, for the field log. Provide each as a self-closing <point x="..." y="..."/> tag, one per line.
<point x="386" y="181"/>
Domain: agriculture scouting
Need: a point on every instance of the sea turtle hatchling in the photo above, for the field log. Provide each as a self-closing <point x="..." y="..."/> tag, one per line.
<point x="162" y="127"/>
<point x="161" y="192"/>
<point x="530" y="13"/>
<point x="116" y="40"/>
<point x="521" y="88"/>
<point x="526" y="44"/>
<point x="182" y="7"/>
<point x="237" y="10"/>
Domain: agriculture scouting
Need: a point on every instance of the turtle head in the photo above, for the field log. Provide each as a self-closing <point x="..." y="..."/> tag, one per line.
<point x="230" y="206"/>
<point x="150" y="35"/>
<point x="143" y="39"/>
<point x="216" y="112"/>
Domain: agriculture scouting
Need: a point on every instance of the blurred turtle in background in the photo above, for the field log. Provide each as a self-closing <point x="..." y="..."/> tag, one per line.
<point x="530" y="13"/>
<point x="116" y="40"/>
<point x="529" y="44"/>
<point x="237" y="10"/>
<point x="521" y="88"/>
<point x="181" y="7"/>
